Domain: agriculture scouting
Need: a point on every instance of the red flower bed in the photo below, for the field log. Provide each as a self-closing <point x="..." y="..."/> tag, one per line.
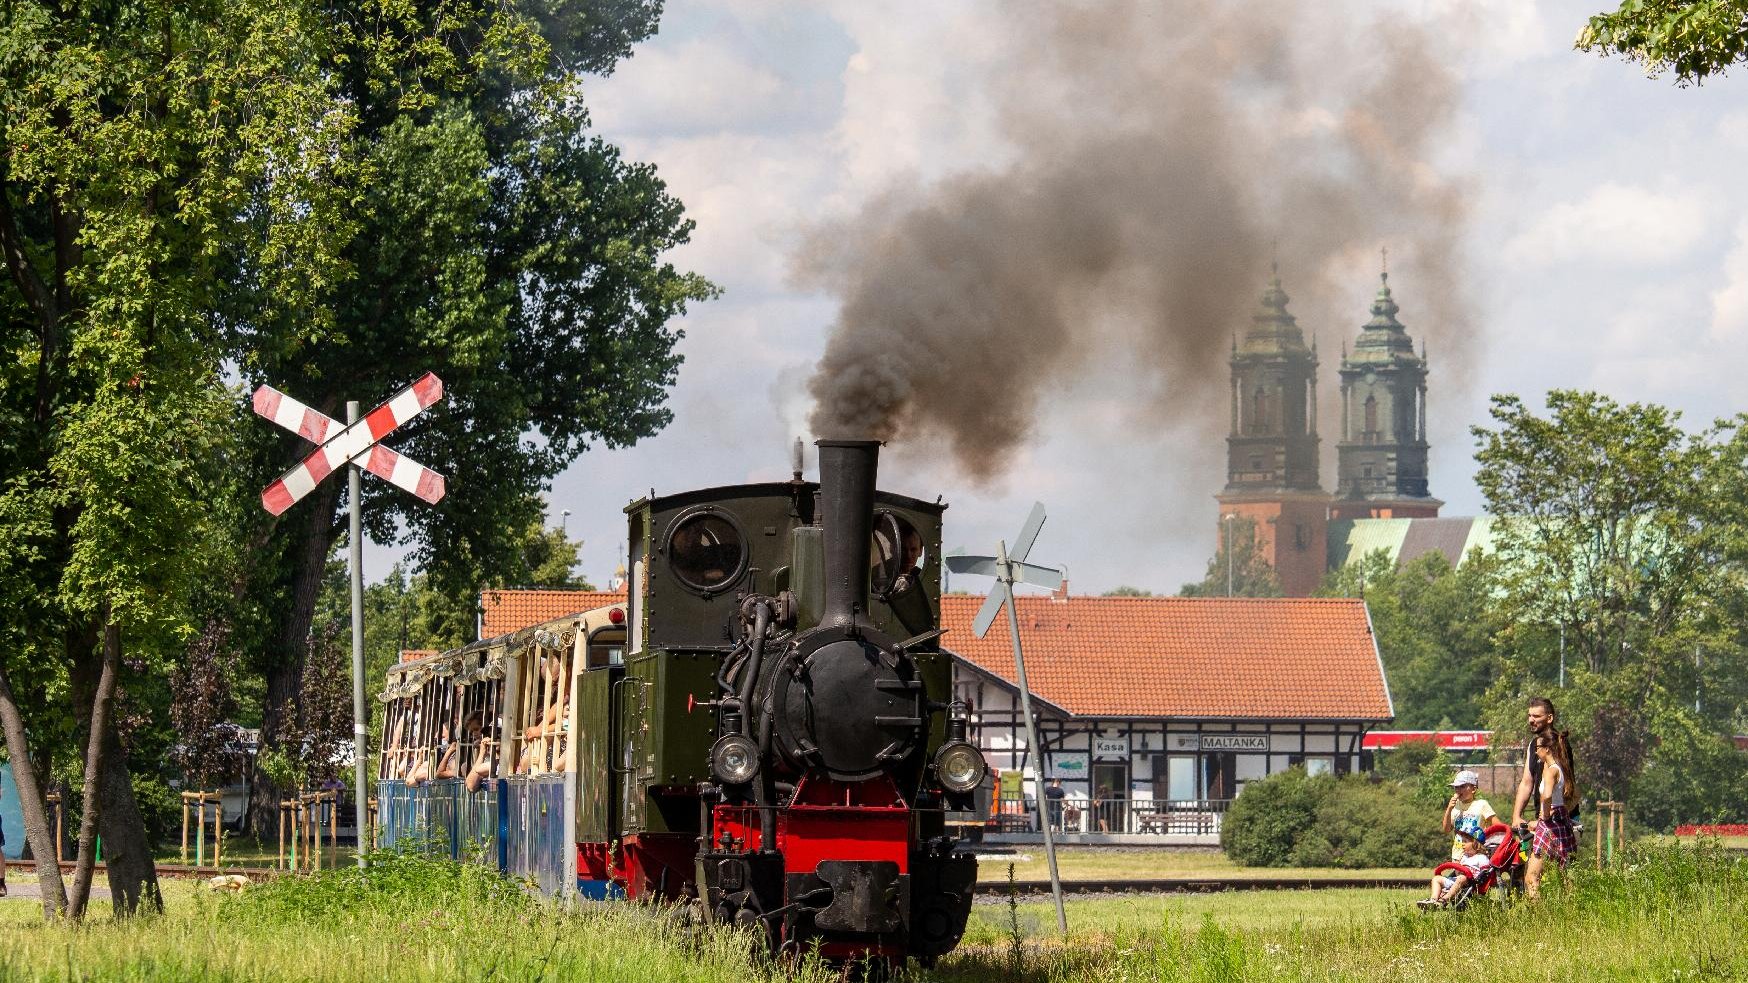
<point x="1713" y="829"/>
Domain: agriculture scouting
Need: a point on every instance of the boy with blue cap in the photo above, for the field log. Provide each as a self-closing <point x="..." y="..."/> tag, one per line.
<point x="1474" y="860"/>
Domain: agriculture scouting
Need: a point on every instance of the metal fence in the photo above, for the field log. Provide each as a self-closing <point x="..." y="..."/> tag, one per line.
<point x="1133" y="815"/>
<point x="536" y="843"/>
<point x="441" y="818"/>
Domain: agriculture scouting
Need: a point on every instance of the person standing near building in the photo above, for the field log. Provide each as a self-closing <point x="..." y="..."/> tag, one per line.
<point x="1464" y="802"/>
<point x="1055" y="795"/>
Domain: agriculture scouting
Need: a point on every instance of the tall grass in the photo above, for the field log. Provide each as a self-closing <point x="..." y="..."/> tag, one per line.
<point x="406" y="918"/>
<point x="1670" y="913"/>
<point x="1674" y="914"/>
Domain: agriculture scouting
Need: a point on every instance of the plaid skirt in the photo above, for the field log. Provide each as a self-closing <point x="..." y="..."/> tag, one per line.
<point x="1554" y="837"/>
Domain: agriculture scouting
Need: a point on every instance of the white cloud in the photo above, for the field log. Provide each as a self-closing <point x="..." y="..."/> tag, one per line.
<point x="1614" y="225"/>
<point x="1730" y="302"/>
<point x="1733" y="130"/>
<point x="700" y="85"/>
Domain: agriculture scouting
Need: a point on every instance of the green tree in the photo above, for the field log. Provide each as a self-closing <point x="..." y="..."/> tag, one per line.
<point x="1621" y="552"/>
<point x="1246" y="571"/>
<point x="503" y="246"/>
<point x="143" y="144"/>
<point x="1695" y="39"/>
<point x="1617" y="533"/>
<point x="1434" y="627"/>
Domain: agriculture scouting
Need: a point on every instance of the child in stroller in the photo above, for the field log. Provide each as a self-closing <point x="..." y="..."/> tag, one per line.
<point x="1489" y="857"/>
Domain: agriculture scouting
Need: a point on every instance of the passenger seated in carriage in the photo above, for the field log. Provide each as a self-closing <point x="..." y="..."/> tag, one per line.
<point x="1475" y="863"/>
<point x="421" y="771"/>
<point x="449" y="766"/>
<point x="543" y="740"/>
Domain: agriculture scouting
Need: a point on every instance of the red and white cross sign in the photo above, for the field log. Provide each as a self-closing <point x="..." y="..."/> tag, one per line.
<point x="339" y="444"/>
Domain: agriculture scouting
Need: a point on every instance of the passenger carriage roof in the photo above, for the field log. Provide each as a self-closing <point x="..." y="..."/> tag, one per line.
<point x="523" y="629"/>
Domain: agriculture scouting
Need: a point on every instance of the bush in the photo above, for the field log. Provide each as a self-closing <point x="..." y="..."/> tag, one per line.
<point x="1293" y="820"/>
<point x="1362" y="823"/>
<point x="1265" y="822"/>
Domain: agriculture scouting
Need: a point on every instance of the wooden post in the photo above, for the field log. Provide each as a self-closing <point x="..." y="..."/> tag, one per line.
<point x="279" y="859"/>
<point x="184" y="829"/>
<point x="218" y="827"/>
<point x="200" y="833"/>
<point x="1611" y="822"/>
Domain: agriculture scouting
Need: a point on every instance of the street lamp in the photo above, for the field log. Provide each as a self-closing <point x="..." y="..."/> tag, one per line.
<point x="564" y="520"/>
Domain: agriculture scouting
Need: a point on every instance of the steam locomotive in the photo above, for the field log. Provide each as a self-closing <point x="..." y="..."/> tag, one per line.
<point x="763" y="731"/>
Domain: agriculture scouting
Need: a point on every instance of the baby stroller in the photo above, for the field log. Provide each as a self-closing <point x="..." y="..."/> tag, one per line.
<point x="1508" y="857"/>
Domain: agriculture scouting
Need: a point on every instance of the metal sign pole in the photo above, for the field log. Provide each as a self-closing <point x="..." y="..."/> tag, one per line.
<point x="360" y="733"/>
<point x="1007" y="582"/>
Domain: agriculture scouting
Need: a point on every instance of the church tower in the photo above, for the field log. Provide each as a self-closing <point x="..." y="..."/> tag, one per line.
<point x="1381" y="468"/>
<point x="1271" y="453"/>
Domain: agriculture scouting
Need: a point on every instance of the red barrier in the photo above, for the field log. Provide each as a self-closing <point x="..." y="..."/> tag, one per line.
<point x="1712" y="829"/>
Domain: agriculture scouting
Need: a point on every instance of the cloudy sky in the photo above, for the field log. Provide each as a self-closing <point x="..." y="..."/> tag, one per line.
<point x="1601" y="240"/>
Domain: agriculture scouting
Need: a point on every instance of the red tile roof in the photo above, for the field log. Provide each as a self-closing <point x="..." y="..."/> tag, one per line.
<point x="513" y="610"/>
<point x="414" y="655"/>
<point x="1284" y="658"/>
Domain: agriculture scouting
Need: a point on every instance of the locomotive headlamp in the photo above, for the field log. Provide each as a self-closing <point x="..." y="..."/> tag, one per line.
<point x="734" y="759"/>
<point x="960" y="766"/>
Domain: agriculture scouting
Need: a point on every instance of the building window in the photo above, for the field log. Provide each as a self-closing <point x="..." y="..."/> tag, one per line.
<point x="1319" y="765"/>
<point x="1370" y="434"/>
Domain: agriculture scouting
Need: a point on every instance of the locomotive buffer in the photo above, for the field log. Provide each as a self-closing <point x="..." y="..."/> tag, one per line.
<point x="1008" y="569"/>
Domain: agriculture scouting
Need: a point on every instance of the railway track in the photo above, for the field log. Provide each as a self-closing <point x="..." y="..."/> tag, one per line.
<point x="164" y="870"/>
<point x="1195" y="885"/>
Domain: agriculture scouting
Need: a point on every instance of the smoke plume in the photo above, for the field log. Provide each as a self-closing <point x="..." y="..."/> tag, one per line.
<point x="1165" y="151"/>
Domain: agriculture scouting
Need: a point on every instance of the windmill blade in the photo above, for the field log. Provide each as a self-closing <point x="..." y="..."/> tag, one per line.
<point x="1028" y="532"/>
<point x="981" y="565"/>
<point x="1037" y="576"/>
<point x="991" y="607"/>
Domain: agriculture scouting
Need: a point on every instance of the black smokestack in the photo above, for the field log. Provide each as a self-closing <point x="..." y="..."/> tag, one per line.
<point x="1159" y="154"/>
<point x="846" y="504"/>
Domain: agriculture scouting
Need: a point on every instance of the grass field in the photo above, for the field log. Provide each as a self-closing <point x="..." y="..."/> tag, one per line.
<point x="1142" y="863"/>
<point x="1671" y="914"/>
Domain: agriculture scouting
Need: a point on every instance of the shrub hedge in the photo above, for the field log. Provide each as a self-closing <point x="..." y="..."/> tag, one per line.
<point x="1292" y="819"/>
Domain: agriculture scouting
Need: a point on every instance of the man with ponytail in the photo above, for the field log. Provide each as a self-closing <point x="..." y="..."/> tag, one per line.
<point x="1549" y="792"/>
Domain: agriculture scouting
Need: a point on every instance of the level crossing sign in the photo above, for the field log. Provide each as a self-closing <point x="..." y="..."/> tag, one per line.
<point x="338" y="443"/>
<point x="355" y="442"/>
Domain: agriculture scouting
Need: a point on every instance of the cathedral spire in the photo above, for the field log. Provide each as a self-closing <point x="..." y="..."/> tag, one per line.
<point x="1381" y="469"/>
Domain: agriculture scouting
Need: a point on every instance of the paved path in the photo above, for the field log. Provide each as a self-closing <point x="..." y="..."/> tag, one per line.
<point x="16" y="890"/>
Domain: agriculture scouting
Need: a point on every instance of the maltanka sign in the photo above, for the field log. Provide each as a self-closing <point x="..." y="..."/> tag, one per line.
<point x="1235" y="742"/>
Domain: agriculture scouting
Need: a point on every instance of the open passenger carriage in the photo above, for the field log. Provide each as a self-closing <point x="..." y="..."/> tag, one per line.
<point x="477" y="744"/>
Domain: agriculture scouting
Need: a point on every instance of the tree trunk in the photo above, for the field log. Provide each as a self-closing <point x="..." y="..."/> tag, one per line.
<point x="127" y="852"/>
<point x="285" y="675"/>
<point x="95" y="745"/>
<point x="30" y="801"/>
<point x="133" y="878"/>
